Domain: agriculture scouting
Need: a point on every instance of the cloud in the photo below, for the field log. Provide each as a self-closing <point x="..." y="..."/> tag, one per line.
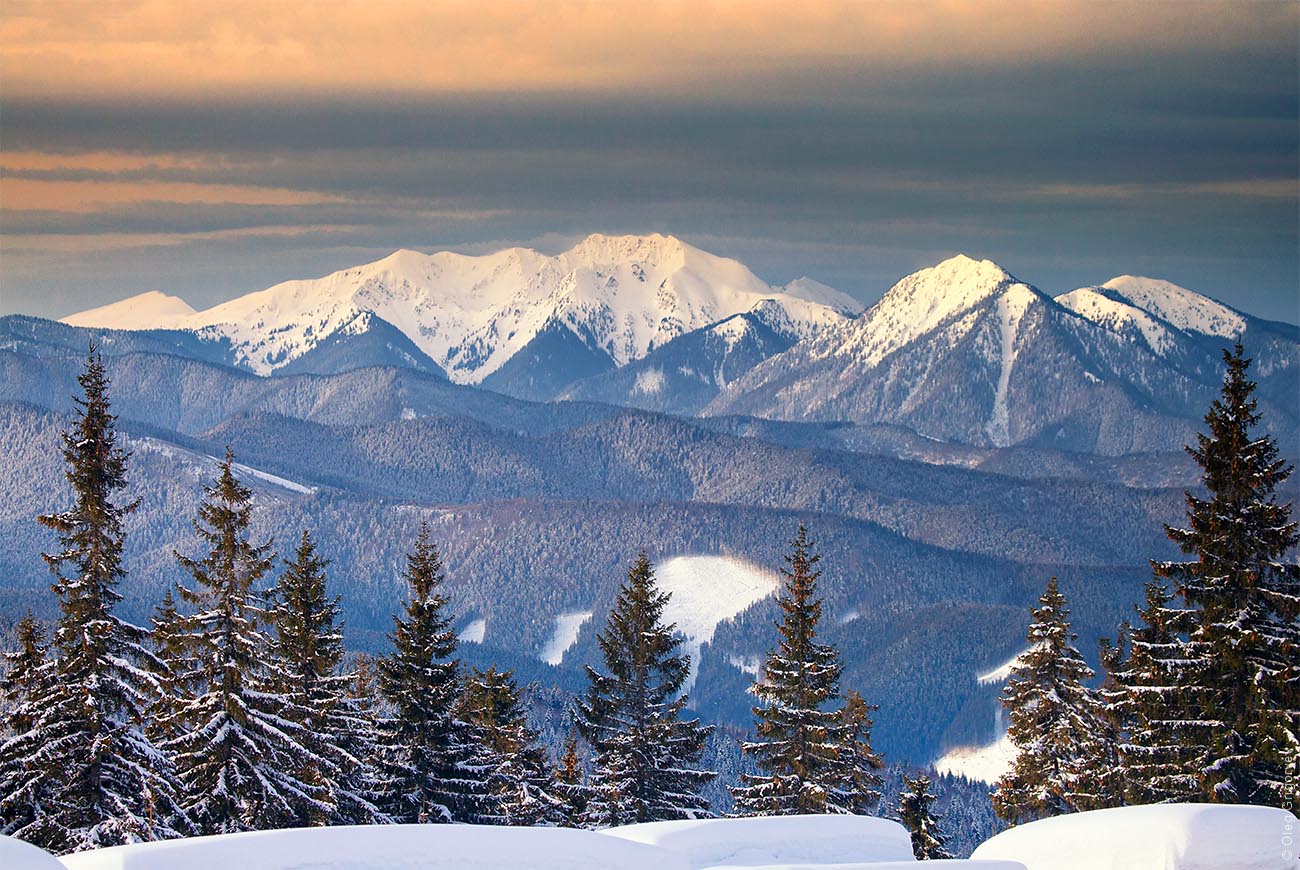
<point x="201" y="49"/>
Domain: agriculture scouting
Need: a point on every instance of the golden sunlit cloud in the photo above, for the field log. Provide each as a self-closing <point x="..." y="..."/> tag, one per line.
<point x="23" y="194"/>
<point x="158" y="47"/>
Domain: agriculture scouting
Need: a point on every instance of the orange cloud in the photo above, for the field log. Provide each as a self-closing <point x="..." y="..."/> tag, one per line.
<point x="159" y="47"/>
<point x="21" y="194"/>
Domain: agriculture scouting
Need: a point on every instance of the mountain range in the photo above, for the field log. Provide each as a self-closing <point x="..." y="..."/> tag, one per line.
<point x="951" y="447"/>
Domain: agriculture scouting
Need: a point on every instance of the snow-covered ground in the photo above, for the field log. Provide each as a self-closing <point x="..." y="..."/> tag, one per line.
<point x="1159" y="837"/>
<point x="1162" y="837"/>
<point x="762" y="842"/>
<point x="706" y="591"/>
<point x="567" y="626"/>
<point x="201" y="465"/>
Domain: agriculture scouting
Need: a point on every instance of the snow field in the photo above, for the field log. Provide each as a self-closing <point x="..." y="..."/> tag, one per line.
<point x="567" y="626"/>
<point x="1157" y="837"/>
<point x="706" y="591"/>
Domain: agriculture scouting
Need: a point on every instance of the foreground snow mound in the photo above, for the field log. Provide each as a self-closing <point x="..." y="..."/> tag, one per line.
<point x="1160" y="837"/>
<point x="382" y="847"/>
<point x="17" y="855"/>
<point x="774" y="841"/>
<point x="886" y="865"/>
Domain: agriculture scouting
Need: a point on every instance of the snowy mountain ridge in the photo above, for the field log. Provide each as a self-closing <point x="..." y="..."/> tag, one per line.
<point x="964" y="351"/>
<point x="621" y="296"/>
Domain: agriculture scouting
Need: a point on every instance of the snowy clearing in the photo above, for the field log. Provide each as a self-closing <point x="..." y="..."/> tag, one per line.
<point x="1159" y="837"/>
<point x="474" y="632"/>
<point x="708" y="590"/>
<point x="567" y="626"/>
<point x="983" y="763"/>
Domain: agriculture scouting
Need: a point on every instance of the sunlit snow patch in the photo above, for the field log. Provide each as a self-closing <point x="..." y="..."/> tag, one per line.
<point x="983" y="763"/>
<point x="1001" y="672"/>
<point x="707" y="590"/>
<point x="474" y="632"/>
<point x="567" y="626"/>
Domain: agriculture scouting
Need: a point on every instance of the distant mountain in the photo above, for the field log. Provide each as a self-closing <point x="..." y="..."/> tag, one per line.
<point x="688" y="372"/>
<point x="965" y="352"/>
<point x="605" y="302"/>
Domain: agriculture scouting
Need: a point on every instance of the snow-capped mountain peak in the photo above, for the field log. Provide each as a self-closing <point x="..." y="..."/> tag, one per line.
<point x="1185" y="309"/>
<point x="917" y="305"/>
<point x="619" y="297"/>
<point x="154" y="308"/>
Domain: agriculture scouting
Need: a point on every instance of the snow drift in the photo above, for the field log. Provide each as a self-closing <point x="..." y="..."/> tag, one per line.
<point x="1158" y="837"/>
<point x="780" y="840"/>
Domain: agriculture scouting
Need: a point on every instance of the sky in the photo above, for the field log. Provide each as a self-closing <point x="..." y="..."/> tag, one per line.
<point x="209" y="149"/>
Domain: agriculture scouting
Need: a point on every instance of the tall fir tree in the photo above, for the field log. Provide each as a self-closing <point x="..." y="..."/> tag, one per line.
<point x="1053" y="718"/>
<point x="336" y="728"/>
<point x="914" y="811"/>
<point x="237" y="740"/>
<point x="521" y="783"/>
<point x="1241" y="684"/>
<point x="814" y="752"/>
<point x="27" y="759"/>
<point x="113" y="785"/>
<point x="631" y="715"/>
<point x="431" y="770"/>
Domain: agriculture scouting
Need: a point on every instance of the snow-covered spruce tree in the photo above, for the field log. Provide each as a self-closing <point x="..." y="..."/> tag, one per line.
<point x="1148" y="698"/>
<point x="814" y="753"/>
<point x="238" y="746"/>
<point x="914" y="803"/>
<point x="431" y="769"/>
<point x="571" y="782"/>
<point x="165" y="636"/>
<point x="1053" y="718"/>
<point x="521" y="784"/>
<point x="1101" y="781"/>
<point x="1243" y="682"/>
<point x="337" y="730"/>
<point x="631" y="715"/>
<point x="26" y="766"/>
<point x="113" y="785"/>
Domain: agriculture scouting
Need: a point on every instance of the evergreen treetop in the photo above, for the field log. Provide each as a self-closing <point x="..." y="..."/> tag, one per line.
<point x="1240" y="683"/>
<point x="430" y="772"/>
<point x="238" y="740"/>
<point x="1053" y="718"/>
<point x="914" y="811"/>
<point x="111" y="786"/>
<point x="814" y="752"/>
<point x="631" y="715"/>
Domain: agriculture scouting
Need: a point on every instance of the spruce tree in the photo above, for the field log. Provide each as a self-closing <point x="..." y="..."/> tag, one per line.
<point x="1241" y="681"/>
<point x="431" y="770"/>
<point x="237" y="740"/>
<point x="1149" y="698"/>
<point x="1053" y="718"/>
<point x="631" y="715"/>
<point x="571" y="782"/>
<point x="309" y="649"/>
<point x="521" y="784"/>
<point x="914" y="803"/>
<point x="113" y="785"/>
<point x="27" y="759"/>
<point x="815" y="754"/>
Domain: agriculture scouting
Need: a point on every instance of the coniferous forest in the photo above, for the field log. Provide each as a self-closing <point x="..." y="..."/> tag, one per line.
<point x="241" y="707"/>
